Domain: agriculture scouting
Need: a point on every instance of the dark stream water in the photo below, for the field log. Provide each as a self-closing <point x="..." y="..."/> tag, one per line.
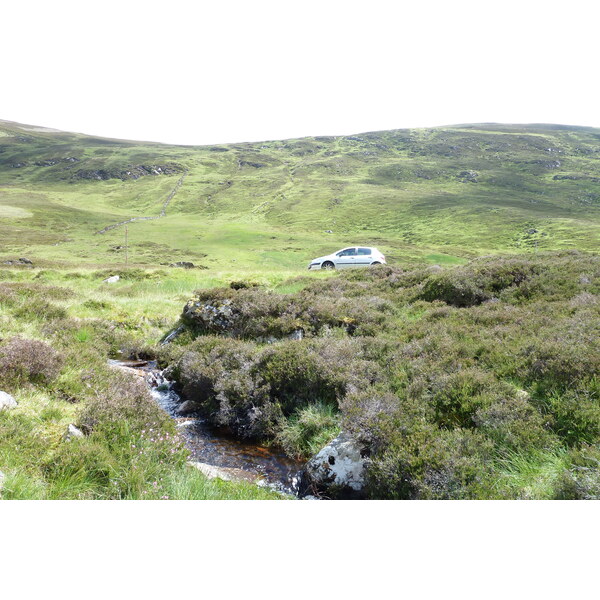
<point x="209" y="446"/>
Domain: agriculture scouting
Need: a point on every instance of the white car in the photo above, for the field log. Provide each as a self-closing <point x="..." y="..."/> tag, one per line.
<point x="356" y="256"/>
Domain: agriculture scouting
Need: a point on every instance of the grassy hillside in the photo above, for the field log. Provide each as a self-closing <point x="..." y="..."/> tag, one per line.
<point x="475" y="380"/>
<point x="436" y="195"/>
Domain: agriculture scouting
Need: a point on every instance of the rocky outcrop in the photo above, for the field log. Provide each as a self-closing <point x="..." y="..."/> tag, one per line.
<point x="19" y="262"/>
<point x="468" y="176"/>
<point x="129" y="172"/>
<point x="217" y="316"/>
<point x="7" y="401"/>
<point x="337" y="471"/>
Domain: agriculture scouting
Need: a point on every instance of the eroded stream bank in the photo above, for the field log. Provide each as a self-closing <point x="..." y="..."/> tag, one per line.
<point x="212" y="451"/>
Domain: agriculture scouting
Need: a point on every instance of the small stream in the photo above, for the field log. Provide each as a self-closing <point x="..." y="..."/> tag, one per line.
<point x="213" y="451"/>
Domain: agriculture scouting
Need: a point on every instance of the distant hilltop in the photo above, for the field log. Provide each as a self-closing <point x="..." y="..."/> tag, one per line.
<point x="435" y="194"/>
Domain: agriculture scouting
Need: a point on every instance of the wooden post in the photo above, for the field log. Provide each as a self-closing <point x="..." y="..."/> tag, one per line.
<point x="126" y="247"/>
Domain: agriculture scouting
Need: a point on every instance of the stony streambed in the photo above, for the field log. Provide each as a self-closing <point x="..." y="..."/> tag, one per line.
<point x="214" y="452"/>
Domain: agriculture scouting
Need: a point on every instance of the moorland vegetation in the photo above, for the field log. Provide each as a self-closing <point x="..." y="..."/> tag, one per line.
<point x="467" y="368"/>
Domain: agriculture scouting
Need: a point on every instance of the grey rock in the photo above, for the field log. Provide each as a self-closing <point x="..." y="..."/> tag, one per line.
<point x="224" y="473"/>
<point x="112" y="279"/>
<point x="298" y="334"/>
<point x="20" y="262"/>
<point x="72" y="433"/>
<point x="188" y="407"/>
<point x="7" y="401"/>
<point x="468" y="176"/>
<point x="216" y="317"/>
<point x="338" y="470"/>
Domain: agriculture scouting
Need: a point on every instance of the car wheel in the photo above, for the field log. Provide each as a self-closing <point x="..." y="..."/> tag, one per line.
<point x="328" y="265"/>
<point x="375" y="263"/>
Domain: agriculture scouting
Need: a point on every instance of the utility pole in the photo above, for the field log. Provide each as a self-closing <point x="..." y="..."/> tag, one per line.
<point x="126" y="247"/>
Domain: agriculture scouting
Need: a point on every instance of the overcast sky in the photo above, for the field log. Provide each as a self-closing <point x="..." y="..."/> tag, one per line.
<point x="197" y="72"/>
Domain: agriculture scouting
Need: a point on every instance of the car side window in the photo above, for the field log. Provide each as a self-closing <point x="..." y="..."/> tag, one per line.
<point x="348" y="252"/>
<point x="364" y="251"/>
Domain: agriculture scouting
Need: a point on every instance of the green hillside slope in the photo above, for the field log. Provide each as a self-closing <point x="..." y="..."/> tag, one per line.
<point x="439" y="195"/>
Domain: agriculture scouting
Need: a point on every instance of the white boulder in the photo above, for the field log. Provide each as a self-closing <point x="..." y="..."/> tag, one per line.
<point x="338" y="470"/>
<point x="72" y="433"/>
<point x="7" y="401"/>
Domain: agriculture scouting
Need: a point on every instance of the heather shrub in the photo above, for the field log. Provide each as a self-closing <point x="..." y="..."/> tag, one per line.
<point x="477" y="282"/>
<point x="563" y="356"/>
<point x="256" y="314"/>
<point x="242" y="284"/>
<point x="124" y="399"/>
<point x="433" y="464"/>
<point x="40" y="291"/>
<point x="23" y="360"/>
<point x="251" y="388"/>
<point x="425" y="368"/>
<point x="581" y="481"/>
<point x="7" y="295"/>
<point x="455" y="397"/>
<point x="513" y="422"/>
<point x="574" y="414"/>
<point x="97" y="304"/>
<point x="97" y="336"/>
<point x="216" y="373"/>
<point x="454" y="288"/>
<point x="40" y="310"/>
<point x="371" y="416"/>
<point x="297" y="375"/>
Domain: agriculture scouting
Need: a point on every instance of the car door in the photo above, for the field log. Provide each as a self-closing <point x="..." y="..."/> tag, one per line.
<point x="345" y="258"/>
<point x="364" y="257"/>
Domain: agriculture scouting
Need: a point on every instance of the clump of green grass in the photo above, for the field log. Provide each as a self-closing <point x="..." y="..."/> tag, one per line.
<point x="533" y="474"/>
<point x="308" y="430"/>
